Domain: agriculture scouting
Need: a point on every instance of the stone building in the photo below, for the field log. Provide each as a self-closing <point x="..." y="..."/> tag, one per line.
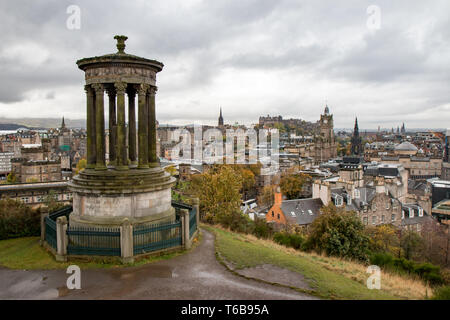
<point x="36" y="170"/>
<point x="34" y="194"/>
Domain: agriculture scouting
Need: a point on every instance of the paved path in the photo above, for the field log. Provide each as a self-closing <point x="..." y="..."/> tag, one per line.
<point x="195" y="275"/>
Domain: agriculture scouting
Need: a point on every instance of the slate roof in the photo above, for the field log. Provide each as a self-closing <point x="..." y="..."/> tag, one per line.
<point x="301" y="211"/>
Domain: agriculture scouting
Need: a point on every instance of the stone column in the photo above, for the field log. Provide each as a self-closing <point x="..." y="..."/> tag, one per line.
<point x="143" y="127"/>
<point x="184" y="213"/>
<point x="99" y="126"/>
<point x="132" y="126"/>
<point x="122" y="161"/>
<point x="90" y="128"/>
<point x="126" y="241"/>
<point x="44" y="213"/>
<point x="112" y="125"/>
<point x="152" y="157"/>
<point x="61" y="239"/>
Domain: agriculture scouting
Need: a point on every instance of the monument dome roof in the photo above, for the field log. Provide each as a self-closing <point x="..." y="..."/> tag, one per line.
<point x="405" y="146"/>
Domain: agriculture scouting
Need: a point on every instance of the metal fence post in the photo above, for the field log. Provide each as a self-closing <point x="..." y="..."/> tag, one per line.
<point x="44" y="213"/>
<point x="61" y="239"/>
<point x="126" y="242"/>
<point x="184" y="213"/>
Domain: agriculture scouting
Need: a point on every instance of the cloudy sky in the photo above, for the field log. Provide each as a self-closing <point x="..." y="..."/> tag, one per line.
<point x="251" y="57"/>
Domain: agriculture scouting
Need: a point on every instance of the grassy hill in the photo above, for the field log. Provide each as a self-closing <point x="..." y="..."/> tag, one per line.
<point x="43" y="122"/>
<point x="330" y="278"/>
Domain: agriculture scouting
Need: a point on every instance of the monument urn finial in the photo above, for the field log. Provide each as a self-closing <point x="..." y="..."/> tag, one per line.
<point x="120" y="43"/>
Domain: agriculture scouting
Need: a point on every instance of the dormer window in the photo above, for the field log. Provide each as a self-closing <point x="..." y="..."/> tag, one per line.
<point x="411" y="212"/>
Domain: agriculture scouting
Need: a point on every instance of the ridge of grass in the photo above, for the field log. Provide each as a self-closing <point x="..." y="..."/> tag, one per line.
<point x="330" y="278"/>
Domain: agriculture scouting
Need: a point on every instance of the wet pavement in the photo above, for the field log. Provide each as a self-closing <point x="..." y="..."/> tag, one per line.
<point x="194" y="275"/>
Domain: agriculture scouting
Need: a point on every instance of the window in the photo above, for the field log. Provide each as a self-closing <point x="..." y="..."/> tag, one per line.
<point x="392" y="217"/>
<point x="411" y="212"/>
<point x="374" y="219"/>
<point x="382" y="219"/>
<point x="387" y="206"/>
<point x="420" y="212"/>
<point x="338" y="201"/>
<point x="357" y="193"/>
<point x="403" y="214"/>
<point x="272" y="214"/>
<point x="374" y="207"/>
<point x="365" y="220"/>
<point x="349" y="199"/>
<point x="419" y="227"/>
<point x="278" y="216"/>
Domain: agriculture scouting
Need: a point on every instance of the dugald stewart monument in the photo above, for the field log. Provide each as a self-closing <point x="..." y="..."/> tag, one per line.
<point x="131" y="185"/>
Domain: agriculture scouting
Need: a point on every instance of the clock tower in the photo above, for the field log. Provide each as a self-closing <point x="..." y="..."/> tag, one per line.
<point x="325" y="144"/>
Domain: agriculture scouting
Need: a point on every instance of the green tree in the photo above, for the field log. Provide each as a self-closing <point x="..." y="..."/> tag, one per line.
<point x="412" y="244"/>
<point x="338" y="232"/>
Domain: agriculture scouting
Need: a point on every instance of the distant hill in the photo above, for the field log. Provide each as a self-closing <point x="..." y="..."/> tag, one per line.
<point x="16" y="123"/>
<point x="11" y="126"/>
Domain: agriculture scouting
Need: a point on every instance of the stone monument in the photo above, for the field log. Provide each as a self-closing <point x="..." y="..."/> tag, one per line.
<point x="132" y="185"/>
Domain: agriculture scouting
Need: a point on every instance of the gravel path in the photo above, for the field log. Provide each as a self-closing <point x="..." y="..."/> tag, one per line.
<point x="195" y="275"/>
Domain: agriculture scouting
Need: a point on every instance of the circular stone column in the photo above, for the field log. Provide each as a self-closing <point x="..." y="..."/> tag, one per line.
<point x="106" y="197"/>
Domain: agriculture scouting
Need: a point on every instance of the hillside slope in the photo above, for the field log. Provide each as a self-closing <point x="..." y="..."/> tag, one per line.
<point x="330" y="278"/>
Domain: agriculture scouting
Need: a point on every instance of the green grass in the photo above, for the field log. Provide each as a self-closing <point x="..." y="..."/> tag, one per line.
<point x="325" y="283"/>
<point x="27" y="254"/>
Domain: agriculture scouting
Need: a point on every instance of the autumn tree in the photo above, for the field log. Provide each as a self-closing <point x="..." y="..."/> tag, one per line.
<point x="292" y="183"/>
<point x="218" y="191"/>
<point x="81" y="165"/>
<point x="11" y="178"/>
<point x="383" y="238"/>
<point x="266" y="198"/>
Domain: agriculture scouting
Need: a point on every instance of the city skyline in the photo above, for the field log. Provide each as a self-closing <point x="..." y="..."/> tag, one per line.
<point x="270" y="58"/>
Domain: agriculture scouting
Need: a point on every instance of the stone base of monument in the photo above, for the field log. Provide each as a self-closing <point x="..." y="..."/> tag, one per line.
<point x="106" y="198"/>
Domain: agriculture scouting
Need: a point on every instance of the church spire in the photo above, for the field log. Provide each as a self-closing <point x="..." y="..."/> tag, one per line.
<point x="63" y="125"/>
<point x="220" y="118"/>
<point x="356" y="141"/>
<point x="356" y="129"/>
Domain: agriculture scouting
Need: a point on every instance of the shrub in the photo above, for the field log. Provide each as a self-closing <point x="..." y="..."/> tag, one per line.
<point x="18" y="220"/>
<point x="261" y="228"/>
<point x="442" y="293"/>
<point x="430" y="273"/>
<point x="292" y="240"/>
<point x="236" y="221"/>
<point x="426" y="271"/>
<point x="382" y="259"/>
